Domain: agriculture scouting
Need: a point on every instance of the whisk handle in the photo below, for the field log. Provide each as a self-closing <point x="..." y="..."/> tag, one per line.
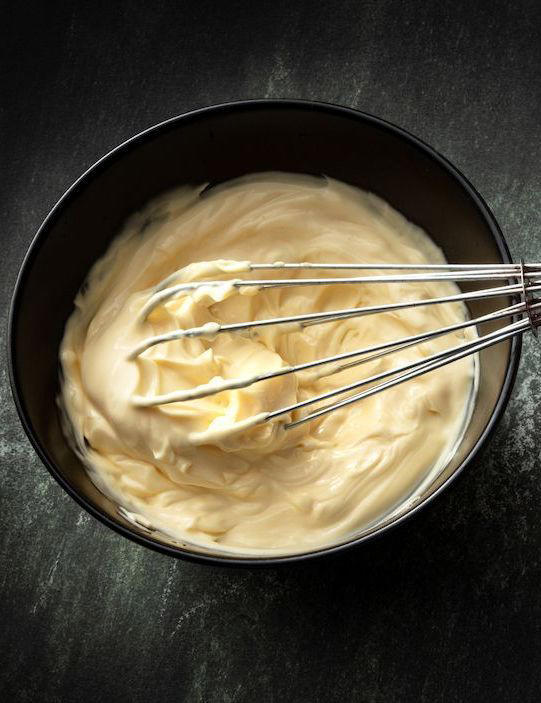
<point x="533" y="307"/>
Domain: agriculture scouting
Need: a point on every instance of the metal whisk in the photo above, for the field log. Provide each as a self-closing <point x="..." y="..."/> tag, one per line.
<point x="523" y="282"/>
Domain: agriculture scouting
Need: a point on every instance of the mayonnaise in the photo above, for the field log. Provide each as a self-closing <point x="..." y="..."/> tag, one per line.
<point x="210" y="470"/>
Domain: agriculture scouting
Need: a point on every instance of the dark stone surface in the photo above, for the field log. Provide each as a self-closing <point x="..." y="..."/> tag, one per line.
<point x="447" y="608"/>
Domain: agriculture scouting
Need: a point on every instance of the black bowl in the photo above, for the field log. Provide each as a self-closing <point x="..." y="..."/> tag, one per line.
<point x="215" y="144"/>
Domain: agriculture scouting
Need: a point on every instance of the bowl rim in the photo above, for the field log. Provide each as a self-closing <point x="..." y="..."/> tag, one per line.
<point x="160" y="128"/>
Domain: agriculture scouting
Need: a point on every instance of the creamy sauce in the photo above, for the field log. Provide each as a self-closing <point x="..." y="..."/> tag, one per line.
<point x="210" y="470"/>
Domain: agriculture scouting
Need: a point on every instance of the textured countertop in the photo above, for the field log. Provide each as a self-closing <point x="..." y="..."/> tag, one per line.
<point x="446" y="608"/>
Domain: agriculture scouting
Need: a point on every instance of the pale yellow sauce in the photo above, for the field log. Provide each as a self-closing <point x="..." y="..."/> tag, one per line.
<point x="207" y="470"/>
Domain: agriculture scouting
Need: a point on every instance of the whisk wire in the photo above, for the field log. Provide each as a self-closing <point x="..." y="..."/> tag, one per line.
<point x="528" y="275"/>
<point x="407" y="373"/>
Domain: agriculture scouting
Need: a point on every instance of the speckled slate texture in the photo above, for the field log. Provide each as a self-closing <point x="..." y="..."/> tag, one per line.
<point x="447" y="608"/>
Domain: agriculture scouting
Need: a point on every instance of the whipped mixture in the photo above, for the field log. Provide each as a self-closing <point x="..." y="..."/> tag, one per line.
<point x="201" y="469"/>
